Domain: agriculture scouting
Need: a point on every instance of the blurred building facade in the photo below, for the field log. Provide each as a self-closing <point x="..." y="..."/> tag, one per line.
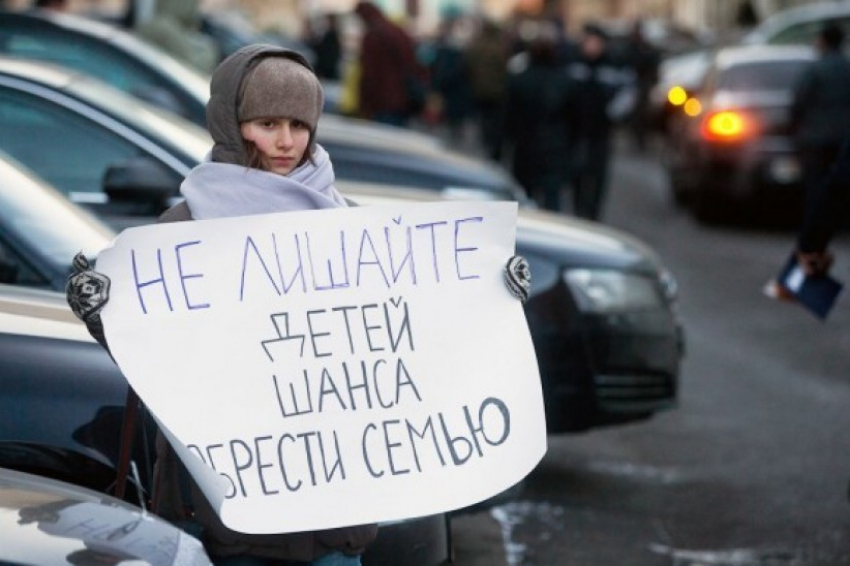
<point x="423" y="16"/>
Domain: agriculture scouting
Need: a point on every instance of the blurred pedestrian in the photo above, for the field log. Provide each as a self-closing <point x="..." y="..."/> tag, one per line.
<point x="392" y="84"/>
<point x="263" y="112"/>
<point x="604" y="96"/>
<point x="536" y="125"/>
<point x="827" y="212"/>
<point x="486" y="60"/>
<point x="820" y="112"/>
<point x="55" y="5"/>
<point x="175" y="27"/>
<point x="644" y="59"/>
<point x="448" y="77"/>
<point x="327" y="47"/>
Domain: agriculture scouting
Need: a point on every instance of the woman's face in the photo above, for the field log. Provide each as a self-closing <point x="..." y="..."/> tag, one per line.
<point x="280" y="141"/>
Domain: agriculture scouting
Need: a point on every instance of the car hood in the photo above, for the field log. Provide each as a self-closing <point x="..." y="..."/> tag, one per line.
<point x="48" y="522"/>
<point x="565" y="239"/>
<point x="576" y="242"/>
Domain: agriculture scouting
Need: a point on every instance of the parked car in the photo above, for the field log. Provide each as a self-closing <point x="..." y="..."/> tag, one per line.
<point x="61" y="396"/>
<point x="44" y="521"/>
<point x="61" y="411"/>
<point x="738" y="153"/>
<point x="601" y="312"/>
<point x="362" y="151"/>
<point x="800" y="24"/>
<point x="602" y="315"/>
<point x="605" y="319"/>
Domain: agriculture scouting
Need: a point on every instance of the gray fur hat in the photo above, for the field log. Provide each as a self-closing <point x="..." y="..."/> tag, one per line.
<point x="281" y="87"/>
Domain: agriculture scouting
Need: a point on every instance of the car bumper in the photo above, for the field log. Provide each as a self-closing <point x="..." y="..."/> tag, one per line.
<point x="424" y="541"/>
<point x="747" y="172"/>
<point x="599" y="370"/>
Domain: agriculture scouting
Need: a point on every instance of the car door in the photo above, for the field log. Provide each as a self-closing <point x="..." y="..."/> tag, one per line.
<point x="71" y="146"/>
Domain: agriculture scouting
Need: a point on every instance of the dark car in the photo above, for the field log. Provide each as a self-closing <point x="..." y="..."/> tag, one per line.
<point x="44" y="521"/>
<point x="61" y="408"/>
<point x="737" y="154"/>
<point x="602" y="316"/>
<point x="605" y="328"/>
<point x="361" y="151"/>
<point x="62" y="397"/>
<point x="600" y="311"/>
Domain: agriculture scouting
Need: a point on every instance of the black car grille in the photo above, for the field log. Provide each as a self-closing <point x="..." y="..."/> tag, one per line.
<point x="634" y="393"/>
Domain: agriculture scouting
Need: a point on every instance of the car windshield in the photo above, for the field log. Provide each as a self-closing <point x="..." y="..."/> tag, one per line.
<point x="772" y="75"/>
<point x="153" y="122"/>
<point x="40" y="216"/>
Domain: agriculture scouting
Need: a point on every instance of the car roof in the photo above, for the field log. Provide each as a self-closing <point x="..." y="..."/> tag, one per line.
<point x="569" y="240"/>
<point x="745" y="54"/>
<point x="778" y="21"/>
<point x="152" y="56"/>
<point x="192" y="139"/>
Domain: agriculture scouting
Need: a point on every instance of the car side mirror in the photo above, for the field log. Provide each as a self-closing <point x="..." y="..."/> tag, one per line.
<point x="141" y="180"/>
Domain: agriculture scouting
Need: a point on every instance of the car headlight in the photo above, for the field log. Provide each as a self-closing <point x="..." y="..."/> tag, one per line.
<point x="608" y="291"/>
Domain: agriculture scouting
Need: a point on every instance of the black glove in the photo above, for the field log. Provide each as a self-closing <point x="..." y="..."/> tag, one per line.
<point x="518" y="277"/>
<point x="87" y="292"/>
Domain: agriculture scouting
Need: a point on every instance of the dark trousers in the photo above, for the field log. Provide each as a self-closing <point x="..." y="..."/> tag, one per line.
<point x="491" y="127"/>
<point x="826" y="177"/>
<point x="590" y="175"/>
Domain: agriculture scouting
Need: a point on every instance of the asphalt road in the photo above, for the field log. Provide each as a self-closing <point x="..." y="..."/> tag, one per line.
<point x="752" y="467"/>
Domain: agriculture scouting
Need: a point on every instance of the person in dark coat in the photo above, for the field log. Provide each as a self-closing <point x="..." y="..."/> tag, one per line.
<point x="644" y="59"/>
<point x="604" y="96"/>
<point x="486" y="62"/>
<point x="328" y="49"/>
<point x="536" y="127"/>
<point x="389" y="71"/>
<point x="820" y="112"/>
<point x="449" y="79"/>
<point x="828" y="211"/>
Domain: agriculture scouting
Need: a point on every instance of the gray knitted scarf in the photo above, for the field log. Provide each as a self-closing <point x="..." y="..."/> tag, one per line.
<point x="220" y="190"/>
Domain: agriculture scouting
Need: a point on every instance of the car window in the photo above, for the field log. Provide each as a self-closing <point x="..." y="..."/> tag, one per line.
<point x="806" y="32"/>
<point x="40" y="231"/>
<point x="15" y="271"/>
<point x="773" y="75"/>
<point x="76" y="52"/>
<point x="68" y="151"/>
<point x="96" y="58"/>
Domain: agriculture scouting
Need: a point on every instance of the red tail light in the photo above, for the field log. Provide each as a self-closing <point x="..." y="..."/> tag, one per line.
<point x="727" y="126"/>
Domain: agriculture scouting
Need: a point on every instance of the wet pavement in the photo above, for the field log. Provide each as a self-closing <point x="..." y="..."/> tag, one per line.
<point x="752" y="467"/>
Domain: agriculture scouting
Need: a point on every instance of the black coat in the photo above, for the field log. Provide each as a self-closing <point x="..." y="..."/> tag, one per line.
<point x="537" y="122"/>
<point x="821" y="108"/>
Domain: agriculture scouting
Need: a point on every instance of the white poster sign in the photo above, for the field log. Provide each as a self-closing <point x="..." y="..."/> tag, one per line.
<point x="327" y="368"/>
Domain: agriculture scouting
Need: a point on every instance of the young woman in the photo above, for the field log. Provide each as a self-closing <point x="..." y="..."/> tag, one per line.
<point x="263" y="111"/>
